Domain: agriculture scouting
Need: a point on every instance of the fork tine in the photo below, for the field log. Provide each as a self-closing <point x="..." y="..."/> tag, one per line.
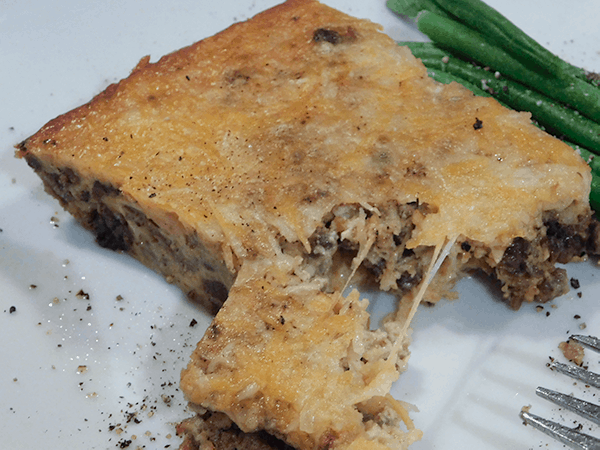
<point x="568" y="436"/>
<point x="585" y="409"/>
<point x="590" y="378"/>
<point x="590" y="342"/>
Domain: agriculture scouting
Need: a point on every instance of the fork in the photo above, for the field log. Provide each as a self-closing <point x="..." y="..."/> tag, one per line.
<point x="571" y="437"/>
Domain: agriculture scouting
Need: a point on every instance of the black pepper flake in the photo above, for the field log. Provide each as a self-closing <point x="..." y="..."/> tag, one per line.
<point x="12" y="309"/>
<point x="124" y="443"/>
<point x="478" y="125"/>
<point x="83" y="295"/>
<point x="577" y="317"/>
<point x="282" y="320"/>
<point x="575" y="283"/>
<point x="152" y="195"/>
<point x="105" y="139"/>
<point x="193" y="323"/>
<point x="547" y="313"/>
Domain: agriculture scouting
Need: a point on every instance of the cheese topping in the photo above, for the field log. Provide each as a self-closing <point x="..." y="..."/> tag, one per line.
<point x="251" y="134"/>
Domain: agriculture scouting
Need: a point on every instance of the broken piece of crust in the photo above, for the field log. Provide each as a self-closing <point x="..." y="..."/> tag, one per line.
<point x="302" y="365"/>
<point x="292" y="151"/>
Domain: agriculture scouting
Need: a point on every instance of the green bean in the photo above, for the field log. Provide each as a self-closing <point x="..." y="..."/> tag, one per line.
<point x="412" y="8"/>
<point x="595" y="194"/>
<point x="497" y="29"/>
<point x="465" y="42"/>
<point x="503" y="33"/>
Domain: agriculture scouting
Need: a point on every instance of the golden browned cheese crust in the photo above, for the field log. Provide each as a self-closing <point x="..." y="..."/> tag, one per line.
<point x="264" y="128"/>
<point x="275" y="159"/>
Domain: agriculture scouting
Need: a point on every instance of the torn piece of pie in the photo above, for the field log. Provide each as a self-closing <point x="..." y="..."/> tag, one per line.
<point x="265" y="166"/>
<point x="285" y="357"/>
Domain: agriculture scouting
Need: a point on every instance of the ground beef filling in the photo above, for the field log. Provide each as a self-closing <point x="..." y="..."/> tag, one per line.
<point x="527" y="270"/>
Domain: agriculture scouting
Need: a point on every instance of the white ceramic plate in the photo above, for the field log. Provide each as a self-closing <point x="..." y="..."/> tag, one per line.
<point x="98" y="372"/>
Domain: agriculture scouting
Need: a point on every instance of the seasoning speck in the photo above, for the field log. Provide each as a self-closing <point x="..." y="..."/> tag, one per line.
<point x="478" y="125"/>
<point x="193" y="323"/>
<point x="82" y="369"/>
<point x="12" y="309"/>
<point x="575" y="283"/>
<point x="83" y="295"/>
<point x="124" y="443"/>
